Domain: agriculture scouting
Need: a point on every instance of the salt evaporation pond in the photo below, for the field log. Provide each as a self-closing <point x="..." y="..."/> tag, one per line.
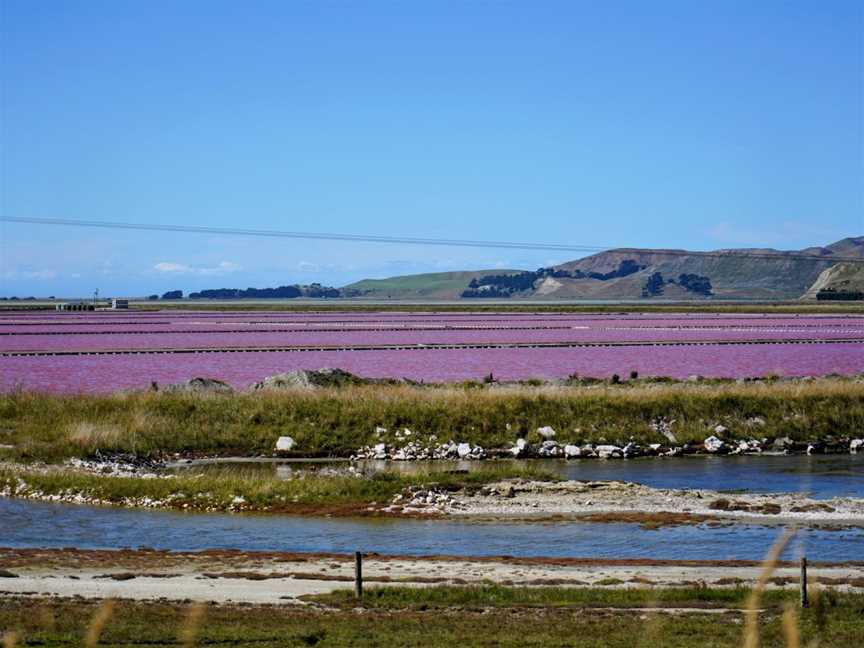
<point x="38" y="524"/>
<point x="103" y="352"/>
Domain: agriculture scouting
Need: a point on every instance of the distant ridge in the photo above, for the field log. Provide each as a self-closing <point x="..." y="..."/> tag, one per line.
<point x="633" y="273"/>
<point x="829" y="272"/>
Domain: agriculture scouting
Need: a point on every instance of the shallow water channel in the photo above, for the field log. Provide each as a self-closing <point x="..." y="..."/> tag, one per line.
<point x="821" y="476"/>
<point x="35" y="524"/>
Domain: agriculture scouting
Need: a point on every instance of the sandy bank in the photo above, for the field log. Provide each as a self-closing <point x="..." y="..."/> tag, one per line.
<point x="622" y="501"/>
<point x="229" y="576"/>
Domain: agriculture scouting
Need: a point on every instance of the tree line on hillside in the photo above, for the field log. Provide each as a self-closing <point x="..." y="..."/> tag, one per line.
<point x="280" y="292"/>
<point x="698" y="284"/>
<point x="505" y="285"/>
<point x="832" y="294"/>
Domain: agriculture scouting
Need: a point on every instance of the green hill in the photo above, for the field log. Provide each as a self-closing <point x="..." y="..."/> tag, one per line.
<point x="434" y="285"/>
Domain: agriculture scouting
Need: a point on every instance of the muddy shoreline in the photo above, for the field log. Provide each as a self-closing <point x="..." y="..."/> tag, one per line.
<point x="505" y="500"/>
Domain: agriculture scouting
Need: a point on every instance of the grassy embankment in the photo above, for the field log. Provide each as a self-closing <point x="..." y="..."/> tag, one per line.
<point x="439" y="617"/>
<point x="491" y="595"/>
<point x="220" y="490"/>
<point x="335" y="422"/>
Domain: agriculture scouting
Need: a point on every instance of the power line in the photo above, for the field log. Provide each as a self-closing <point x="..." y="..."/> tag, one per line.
<point x="195" y="229"/>
<point x="362" y="238"/>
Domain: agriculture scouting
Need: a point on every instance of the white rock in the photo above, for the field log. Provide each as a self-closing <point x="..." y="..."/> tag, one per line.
<point x="720" y="429"/>
<point x="284" y="444"/>
<point x="631" y="450"/>
<point x="380" y="450"/>
<point x="607" y="451"/>
<point x="713" y="444"/>
<point x="520" y="448"/>
<point x="856" y="445"/>
<point x="463" y="449"/>
<point x="546" y="432"/>
<point x="670" y="437"/>
<point x="571" y="451"/>
<point x="549" y="449"/>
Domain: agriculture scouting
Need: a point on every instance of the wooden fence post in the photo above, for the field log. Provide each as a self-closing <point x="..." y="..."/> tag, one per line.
<point x="358" y="574"/>
<point x="805" y="601"/>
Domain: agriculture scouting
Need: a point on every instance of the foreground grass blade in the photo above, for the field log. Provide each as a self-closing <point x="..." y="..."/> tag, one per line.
<point x="751" y="612"/>
<point x="98" y="622"/>
<point x="192" y="624"/>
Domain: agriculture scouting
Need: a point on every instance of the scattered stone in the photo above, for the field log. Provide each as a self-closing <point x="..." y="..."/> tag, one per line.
<point x="608" y="451"/>
<point x="748" y="447"/>
<point x="720" y="430"/>
<point x="546" y="432"/>
<point x="284" y="444"/>
<point x="572" y="451"/>
<point x="520" y="449"/>
<point x="664" y="427"/>
<point x="306" y="379"/>
<point x="714" y="445"/>
<point x="816" y="447"/>
<point x="856" y="445"/>
<point x="550" y="449"/>
<point x="631" y="450"/>
<point x="200" y="386"/>
<point x="783" y="444"/>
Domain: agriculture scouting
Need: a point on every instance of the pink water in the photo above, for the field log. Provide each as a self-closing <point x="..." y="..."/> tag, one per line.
<point x="787" y="354"/>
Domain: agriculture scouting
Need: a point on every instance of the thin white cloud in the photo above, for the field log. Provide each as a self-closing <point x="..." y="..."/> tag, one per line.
<point x="40" y="275"/>
<point x="167" y="266"/>
<point x="222" y="268"/>
<point x="308" y="266"/>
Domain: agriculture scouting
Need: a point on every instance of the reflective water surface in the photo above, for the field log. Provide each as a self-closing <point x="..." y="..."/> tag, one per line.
<point x="822" y="476"/>
<point x="36" y="524"/>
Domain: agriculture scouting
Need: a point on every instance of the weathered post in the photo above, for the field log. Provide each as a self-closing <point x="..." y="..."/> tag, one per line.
<point x="358" y="574"/>
<point x="805" y="601"/>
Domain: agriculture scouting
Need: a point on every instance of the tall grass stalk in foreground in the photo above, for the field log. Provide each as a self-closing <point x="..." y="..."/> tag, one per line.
<point x="192" y="624"/>
<point x="790" y="626"/>
<point x="751" y="612"/>
<point x="98" y="623"/>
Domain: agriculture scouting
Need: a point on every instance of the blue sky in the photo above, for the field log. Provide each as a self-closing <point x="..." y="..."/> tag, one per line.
<point x="674" y="124"/>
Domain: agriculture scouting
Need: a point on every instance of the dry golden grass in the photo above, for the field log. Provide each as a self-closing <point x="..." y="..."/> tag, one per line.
<point x="91" y="436"/>
<point x="98" y="622"/>
<point x="10" y="639"/>
<point x="751" y="612"/>
<point x="789" y="624"/>
<point x="192" y="624"/>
